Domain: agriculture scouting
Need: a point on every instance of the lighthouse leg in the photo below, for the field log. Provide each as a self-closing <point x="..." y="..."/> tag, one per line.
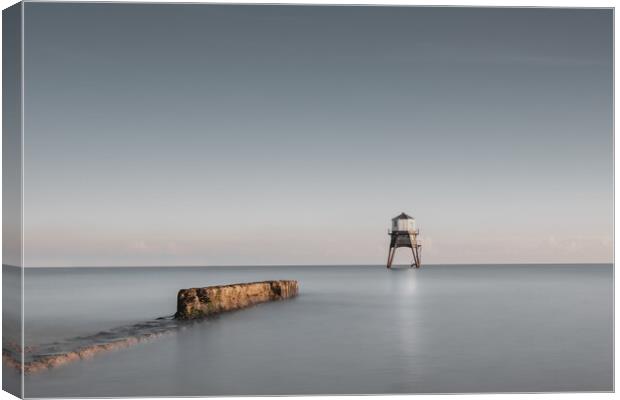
<point x="390" y="257"/>
<point x="415" y="257"/>
<point x="419" y="256"/>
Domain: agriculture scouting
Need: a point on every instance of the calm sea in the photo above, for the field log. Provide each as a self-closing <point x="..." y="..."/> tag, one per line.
<point x="353" y="329"/>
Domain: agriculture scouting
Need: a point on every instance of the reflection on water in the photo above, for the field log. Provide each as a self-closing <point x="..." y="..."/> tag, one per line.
<point x="351" y="330"/>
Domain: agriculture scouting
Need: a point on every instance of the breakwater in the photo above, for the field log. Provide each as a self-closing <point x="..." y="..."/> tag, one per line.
<point x="201" y="302"/>
<point x="192" y="305"/>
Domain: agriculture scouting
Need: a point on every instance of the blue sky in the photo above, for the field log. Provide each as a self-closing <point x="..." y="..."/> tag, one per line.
<point x="240" y="135"/>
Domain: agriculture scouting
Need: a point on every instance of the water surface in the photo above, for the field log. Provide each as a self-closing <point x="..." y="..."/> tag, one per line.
<point x="353" y="329"/>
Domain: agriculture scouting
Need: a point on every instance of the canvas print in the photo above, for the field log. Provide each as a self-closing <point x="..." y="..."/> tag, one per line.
<point x="233" y="199"/>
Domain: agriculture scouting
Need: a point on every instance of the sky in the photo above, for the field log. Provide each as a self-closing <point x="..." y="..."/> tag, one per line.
<point x="275" y="135"/>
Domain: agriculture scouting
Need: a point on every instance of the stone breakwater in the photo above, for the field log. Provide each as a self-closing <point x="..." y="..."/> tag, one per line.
<point x="192" y="304"/>
<point x="40" y="363"/>
<point x="201" y="302"/>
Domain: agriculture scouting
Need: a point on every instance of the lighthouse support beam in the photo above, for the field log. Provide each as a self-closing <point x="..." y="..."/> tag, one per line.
<point x="416" y="261"/>
<point x="419" y="256"/>
<point x="390" y="257"/>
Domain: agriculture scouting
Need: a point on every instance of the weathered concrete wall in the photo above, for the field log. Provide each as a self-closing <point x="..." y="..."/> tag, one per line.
<point x="191" y="304"/>
<point x="201" y="302"/>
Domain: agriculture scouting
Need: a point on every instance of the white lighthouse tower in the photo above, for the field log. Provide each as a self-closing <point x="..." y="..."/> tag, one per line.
<point x="405" y="234"/>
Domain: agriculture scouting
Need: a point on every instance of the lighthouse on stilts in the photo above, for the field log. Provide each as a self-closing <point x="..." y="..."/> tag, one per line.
<point x="405" y="234"/>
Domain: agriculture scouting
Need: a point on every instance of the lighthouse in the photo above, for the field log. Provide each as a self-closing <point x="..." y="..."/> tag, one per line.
<point x="405" y="234"/>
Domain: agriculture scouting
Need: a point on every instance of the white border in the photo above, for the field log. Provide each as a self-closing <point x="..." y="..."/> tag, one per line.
<point x="476" y="3"/>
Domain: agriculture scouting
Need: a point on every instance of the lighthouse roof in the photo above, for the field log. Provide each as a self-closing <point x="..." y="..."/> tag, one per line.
<point x="402" y="216"/>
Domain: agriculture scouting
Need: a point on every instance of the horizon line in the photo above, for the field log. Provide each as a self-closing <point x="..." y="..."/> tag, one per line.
<point x="305" y="265"/>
